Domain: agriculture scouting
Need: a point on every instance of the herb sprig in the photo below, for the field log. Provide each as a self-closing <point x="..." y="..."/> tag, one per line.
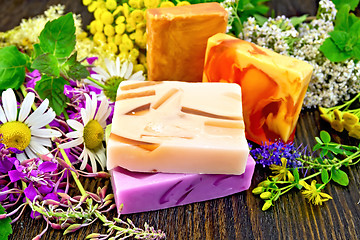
<point x="327" y="166"/>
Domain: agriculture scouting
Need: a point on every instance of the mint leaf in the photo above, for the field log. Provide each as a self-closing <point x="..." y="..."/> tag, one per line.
<point x="73" y="69"/>
<point x="342" y="18"/>
<point x="339" y="177"/>
<point x="324" y="176"/>
<point x="48" y="64"/>
<point x="52" y="89"/>
<point x="298" y="20"/>
<point x="352" y="3"/>
<point x="332" y="52"/>
<point x="58" y="36"/>
<point x="340" y="38"/>
<point x="5" y="226"/>
<point x="356" y="51"/>
<point x="325" y="136"/>
<point x="12" y="67"/>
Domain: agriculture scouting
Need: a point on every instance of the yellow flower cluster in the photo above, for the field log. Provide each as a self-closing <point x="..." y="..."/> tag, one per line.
<point x="342" y="120"/>
<point x="121" y="28"/>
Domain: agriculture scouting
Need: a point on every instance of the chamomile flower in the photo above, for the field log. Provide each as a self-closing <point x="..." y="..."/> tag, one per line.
<point x="23" y="131"/>
<point x="90" y="133"/>
<point x="115" y="73"/>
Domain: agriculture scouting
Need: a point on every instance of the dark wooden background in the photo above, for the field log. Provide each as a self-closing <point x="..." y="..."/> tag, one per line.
<point x="238" y="216"/>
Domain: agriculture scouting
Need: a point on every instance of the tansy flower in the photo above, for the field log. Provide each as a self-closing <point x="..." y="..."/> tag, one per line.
<point x="23" y="131"/>
<point x="314" y="195"/>
<point x="115" y="73"/>
<point x="281" y="172"/>
<point x="90" y="133"/>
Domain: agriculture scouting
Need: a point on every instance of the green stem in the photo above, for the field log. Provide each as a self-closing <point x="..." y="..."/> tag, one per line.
<point x="96" y="82"/>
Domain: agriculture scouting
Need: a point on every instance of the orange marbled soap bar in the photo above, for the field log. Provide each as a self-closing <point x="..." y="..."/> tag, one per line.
<point x="273" y="86"/>
<point x="177" y="38"/>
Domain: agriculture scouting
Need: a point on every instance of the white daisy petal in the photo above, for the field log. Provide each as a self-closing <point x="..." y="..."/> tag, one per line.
<point x="10" y="105"/>
<point x="138" y="76"/>
<point x="26" y="106"/>
<point x="92" y="161"/>
<point x="72" y="143"/>
<point x="123" y="69"/>
<point x="118" y="66"/>
<point x="129" y="71"/>
<point x="87" y="103"/>
<point x="37" y="113"/>
<point x="45" y="133"/>
<point x="104" y="104"/>
<point x="102" y="119"/>
<point x="30" y="154"/>
<point x="101" y="71"/>
<point x="84" y="116"/>
<point x="75" y="134"/>
<point x="43" y="141"/>
<point x="85" y="157"/>
<point x="21" y="157"/>
<point x="93" y="105"/>
<point x="44" y="120"/>
<point x="75" y="124"/>
<point x="38" y="148"/>
<point x="3" y="118"/>
<point x="101" y="157"/>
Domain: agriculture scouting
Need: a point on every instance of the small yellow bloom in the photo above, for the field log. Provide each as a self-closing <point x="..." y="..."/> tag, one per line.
<point x="117" y="39"/>
<point x="142" y="58"/>
<point x="120" y="28"/>
<point x="323" y="110"/>
<point x="139" y="67"/>
<point x="81" y="35"/>
<point x="338" y="114"/>
<point x="98" y="12"/>
<point x="127" y="42"/>
<point x="99" y="26"/>
<point x="355" y="131"/>
<point x="141" y="26"/>
<point x="112" y="47"/>
<point x="118" y="10"/>
<point x="92" y="6"/>
<point x="137" y="15"/>
<point x="123" y="55"/>
<point x="99" y="38"/>
<point x="120" y="19"/>
<point x="86" y="2"/>
<point x="109" y="30"/>
<point x="282" y="173"/>
<point x="126" y="10"/>
<point x="314" y="195"/>
<point x="265" y="195"/>
<point x="183" y="3"/>
<point x="267" y="205"/>
<point x="347" y="127"/>
<point x="167" y="4"/>
<point x="111" y="4"/>
<point x="130" y="26"/>
<point x="151" y="3"/>
<point x="337" y="125"/>
<point x="350" y="118"/>
<point x="92" y="27"/>
<point x="136" y="3"/>
<point x="107" y="17"/>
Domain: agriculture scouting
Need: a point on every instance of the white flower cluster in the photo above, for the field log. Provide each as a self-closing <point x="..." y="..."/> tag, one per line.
<point x="331" y="82"/>
<point x="228" y="5"/>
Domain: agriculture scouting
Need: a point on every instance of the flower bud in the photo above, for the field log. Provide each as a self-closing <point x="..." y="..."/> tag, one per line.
<point x="264" y="183"/>
<point x="265" y="195"/>
<point x="266" y="205"/>
<point x="257" y="190"/>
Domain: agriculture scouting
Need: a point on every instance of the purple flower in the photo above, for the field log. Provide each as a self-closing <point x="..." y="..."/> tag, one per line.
<point x="32" y="78"/>
<point x="6" y="160"/>
<point x="271" y="153"/>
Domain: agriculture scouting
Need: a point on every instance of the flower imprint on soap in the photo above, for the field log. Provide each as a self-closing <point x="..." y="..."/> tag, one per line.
<point x="25" y="131"/>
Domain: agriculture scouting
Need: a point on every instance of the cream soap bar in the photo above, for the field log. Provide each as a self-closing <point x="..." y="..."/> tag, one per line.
<point x="178" y="127"/>
<point x="140" y="192"/>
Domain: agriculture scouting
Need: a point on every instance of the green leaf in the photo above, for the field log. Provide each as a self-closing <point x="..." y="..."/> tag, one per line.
<point x="5" y="226"/>
<point x="318" y="140"/>
<point x="73" y="69"/>
<point x="12" y="68"/>
<point x="58" y="36"/>
<point x="339" y="177"/>
<point x="356" y="51"/>
<point x="342" y="18"/>
<point x="316" y="147"/>
<point x="340" y="38"/>
<point x="52" y="89"/>
<point x="48" y="64"/>
<point x="352" y="3"/>
<point x="298" y="20"/>
<point x="296" y="175"/>
<point x="324" y="175"/>
<point x="332" y="52"/>
<point x="325" y="136"/>
<point x="260" y="19"/>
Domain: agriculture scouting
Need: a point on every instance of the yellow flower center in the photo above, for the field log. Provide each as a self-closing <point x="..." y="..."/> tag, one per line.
<point x="93" y="135"/>
<point x="15" y="134"/>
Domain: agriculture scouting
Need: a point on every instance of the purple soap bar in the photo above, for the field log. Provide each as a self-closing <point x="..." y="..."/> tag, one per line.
<point x="141" y="192"/>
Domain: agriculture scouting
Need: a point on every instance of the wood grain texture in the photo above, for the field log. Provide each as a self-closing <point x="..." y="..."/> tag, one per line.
<point x="238" y="216"/>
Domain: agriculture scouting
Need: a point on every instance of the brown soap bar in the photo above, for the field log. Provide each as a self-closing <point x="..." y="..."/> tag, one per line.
<point x="177" y="39"/>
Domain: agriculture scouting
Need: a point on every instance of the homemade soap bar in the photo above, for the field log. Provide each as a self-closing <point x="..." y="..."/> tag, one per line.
<point x="178" y="127"/>
<point x="140" y="192"/>
<point x="177" y="38"/>
<point x="273" y="86"/>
